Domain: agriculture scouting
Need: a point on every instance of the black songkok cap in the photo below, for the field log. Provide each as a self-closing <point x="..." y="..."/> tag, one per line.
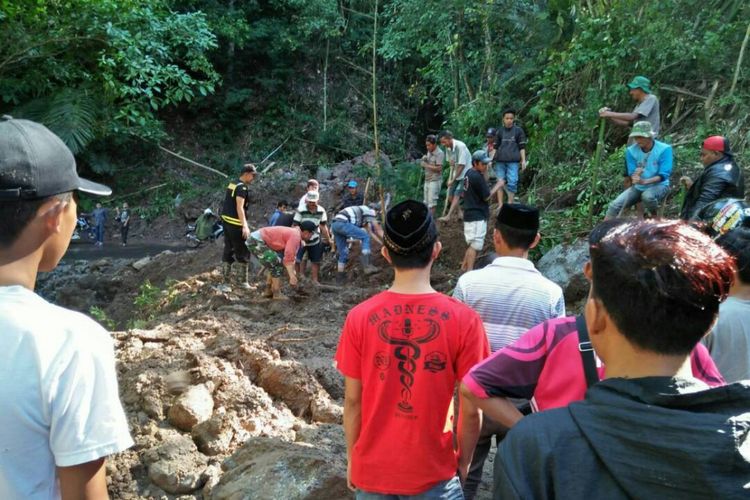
<point x="409" y="228"/>
<point x="519" y="216"/>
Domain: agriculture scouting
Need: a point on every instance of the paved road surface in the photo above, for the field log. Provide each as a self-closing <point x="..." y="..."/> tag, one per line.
<point x="85" y="250"/>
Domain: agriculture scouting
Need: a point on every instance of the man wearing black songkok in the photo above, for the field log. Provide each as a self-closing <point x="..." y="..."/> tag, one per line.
<point x="402" y="352"/>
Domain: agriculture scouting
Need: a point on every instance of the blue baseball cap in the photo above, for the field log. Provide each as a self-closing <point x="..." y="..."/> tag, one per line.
<point x="481" y="155"/>
<point x="352" y="184"/>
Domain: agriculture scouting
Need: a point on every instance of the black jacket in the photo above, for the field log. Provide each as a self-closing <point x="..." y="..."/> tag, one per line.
<point x="508" y="144"/>
<point x="643" y="438"/>
<point x="721" y="179"/>
<point x="347" y="200"/>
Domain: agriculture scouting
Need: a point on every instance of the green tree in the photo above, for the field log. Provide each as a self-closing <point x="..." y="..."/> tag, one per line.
<point x="92" y="68"/>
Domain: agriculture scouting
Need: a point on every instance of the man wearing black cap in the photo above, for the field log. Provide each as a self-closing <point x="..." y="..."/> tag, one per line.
<point x="511" y="297"/>
<point x="476" y="208"/>
<point x="236" y="230"/>
<point x="62" y="415"/>
<point x="721" y="178"/>
<point x="402" y="352"/>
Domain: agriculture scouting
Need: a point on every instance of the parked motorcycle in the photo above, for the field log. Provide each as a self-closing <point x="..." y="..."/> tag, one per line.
<point x="84" y="229"/>
<point x="193" y="241"/>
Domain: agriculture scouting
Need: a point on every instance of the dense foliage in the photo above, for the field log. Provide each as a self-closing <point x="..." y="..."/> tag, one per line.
<point x="228" y="80"/>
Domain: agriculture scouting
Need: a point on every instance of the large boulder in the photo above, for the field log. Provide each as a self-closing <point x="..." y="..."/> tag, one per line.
<point x="176" y="466"/>
<point x="564" y="265"/>
<point x="270" y="468"/>
<point x="192" y="407"/>
<point x="346" y="169"/>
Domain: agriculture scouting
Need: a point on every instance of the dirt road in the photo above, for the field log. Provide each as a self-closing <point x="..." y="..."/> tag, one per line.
<point x="85" y="250"/>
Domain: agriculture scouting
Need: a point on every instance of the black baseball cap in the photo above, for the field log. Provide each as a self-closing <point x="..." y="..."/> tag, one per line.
<point x="35" y="163"/>
<point x="249" y="168"/>
<point x="308" y="225"/>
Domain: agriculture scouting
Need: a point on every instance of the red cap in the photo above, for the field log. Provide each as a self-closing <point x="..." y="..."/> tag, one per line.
<point x="716" y="143"/>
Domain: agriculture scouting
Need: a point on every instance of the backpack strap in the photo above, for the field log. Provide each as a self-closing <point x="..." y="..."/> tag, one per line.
<point x="587" y="352"/>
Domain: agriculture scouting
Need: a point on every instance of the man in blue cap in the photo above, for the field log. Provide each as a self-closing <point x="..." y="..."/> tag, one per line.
<point x="352" y="198"/>
<point x="646" y="109"/>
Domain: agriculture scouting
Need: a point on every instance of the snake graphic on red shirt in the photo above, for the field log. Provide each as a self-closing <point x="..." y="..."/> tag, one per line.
<point x="407" y="353"/>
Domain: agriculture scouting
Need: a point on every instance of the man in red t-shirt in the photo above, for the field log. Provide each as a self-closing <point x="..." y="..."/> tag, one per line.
<point x="402" y="353"/>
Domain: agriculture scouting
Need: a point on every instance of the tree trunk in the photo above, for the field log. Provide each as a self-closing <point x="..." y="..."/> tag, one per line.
<point x="325" y="86"/>
<point x="230" y="56"/>
<point x="375" y="135"/>
<point x="739" y="61"/>
<point x="462" y="59"/>
<point x="489" y="61"/>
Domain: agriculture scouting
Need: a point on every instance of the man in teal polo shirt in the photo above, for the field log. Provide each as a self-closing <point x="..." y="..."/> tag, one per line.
<point x="648" y="165"/>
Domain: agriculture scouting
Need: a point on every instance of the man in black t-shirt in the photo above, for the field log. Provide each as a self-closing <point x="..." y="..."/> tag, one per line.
<point x="510" y="156"/>
<point x="236" y="230"/>
<point x="285" y="219"/>
<point x="352" y="198"/>
<point x="476" y="207"/>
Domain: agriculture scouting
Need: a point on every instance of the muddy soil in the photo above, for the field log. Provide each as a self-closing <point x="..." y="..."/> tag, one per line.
<point x="265" y="365"/>
<point x="228" y="395"/>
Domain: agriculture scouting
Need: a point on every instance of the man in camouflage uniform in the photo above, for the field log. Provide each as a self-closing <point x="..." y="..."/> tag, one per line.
<point x="275" y="247"/>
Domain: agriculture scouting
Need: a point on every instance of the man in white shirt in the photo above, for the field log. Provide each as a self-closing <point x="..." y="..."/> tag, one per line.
<point x="511" y="297"/>
<point x="460" y="162"/>
<point x="61" y="414"/>
<point x="729" y="340"/>
<point x="312" y="185"/>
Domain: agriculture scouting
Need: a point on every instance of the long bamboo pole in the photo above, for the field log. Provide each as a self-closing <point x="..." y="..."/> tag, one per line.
<point x="177" y="155"/>
<point x="739" y="61"/>
<point x="595" y="170"/>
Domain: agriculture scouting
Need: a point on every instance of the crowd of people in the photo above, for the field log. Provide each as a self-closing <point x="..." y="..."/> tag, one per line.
<point x="646" y="174"/>
<point x="643" y="395"/>
<point x="95" y="223"/>
<point x="295" y="237"/>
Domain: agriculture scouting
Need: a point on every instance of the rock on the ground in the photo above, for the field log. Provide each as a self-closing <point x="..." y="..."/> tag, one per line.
<point x="323" y="174"/>
<point x="192" y="407"/>
<point x="289" y="381"/>
<point x="141" y="263"/>
<point x="326" y="411"/>
<point x="176" y="466"/>
<point x="563" y="264"/>
<point x="270" y="468"/>
<point x="345" y="170"/>
<point x="213" y="475"/>
<point x="177" y="381"/>
<point x="214" y="436"/>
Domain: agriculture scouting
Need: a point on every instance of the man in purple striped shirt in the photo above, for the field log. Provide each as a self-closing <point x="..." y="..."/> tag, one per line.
<point x="511" y="297"/>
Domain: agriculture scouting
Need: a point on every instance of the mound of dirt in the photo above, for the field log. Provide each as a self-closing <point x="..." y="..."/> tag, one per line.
<point x="205" y="374"/>
<point x="227" y="393"/>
